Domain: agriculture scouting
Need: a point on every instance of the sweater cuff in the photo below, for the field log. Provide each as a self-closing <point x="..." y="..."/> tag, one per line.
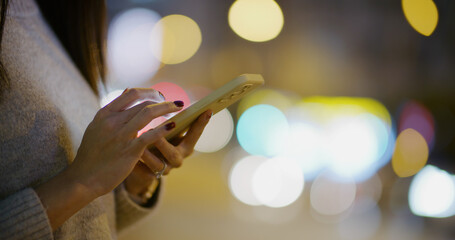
<point x="128" y="211"/>
<point x="22" y="216"/>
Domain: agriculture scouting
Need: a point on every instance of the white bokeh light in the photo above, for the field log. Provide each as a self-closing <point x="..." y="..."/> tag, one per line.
<point x="217" y="133"/>
<point x="356" y="145"/>
<point x="105" y="100"/>
<point x="241" y="179"/>
<point x="131" y="45"/>
<point x="432" y="193"/>
<point x="278" y="182"/>
<point x="330" y="197"/>
<point x="305" y="146"/>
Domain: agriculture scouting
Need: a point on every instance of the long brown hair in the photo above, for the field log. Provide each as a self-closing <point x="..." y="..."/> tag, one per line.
<point x="81" y="27"/>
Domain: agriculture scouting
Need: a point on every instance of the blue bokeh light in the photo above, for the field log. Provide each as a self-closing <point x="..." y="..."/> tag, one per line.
<point x="263" y="130"/>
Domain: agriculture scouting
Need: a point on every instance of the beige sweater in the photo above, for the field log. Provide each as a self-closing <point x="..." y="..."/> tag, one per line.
<point x="42" y="119"/>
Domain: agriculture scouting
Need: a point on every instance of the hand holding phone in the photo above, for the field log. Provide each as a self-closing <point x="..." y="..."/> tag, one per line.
<point x="216" y="101"/>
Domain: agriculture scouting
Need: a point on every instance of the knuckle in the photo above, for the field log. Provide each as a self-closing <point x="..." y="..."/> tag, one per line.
<point x="133" y="92"/>
<point x="177" y="159"/>
<point x="141" y="141"/>
<point x="148" y="111"/>
<point x="109" y="123"/>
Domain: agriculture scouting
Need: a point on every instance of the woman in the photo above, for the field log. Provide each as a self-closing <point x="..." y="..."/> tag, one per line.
<point x="67" y="169"/>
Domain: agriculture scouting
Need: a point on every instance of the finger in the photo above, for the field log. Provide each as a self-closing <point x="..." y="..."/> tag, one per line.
<point x="128" y="114"/>
<point x="150" y="137"/>
<point x="130" y="96"/>
<point x="147" y="114"/>
<point x="194" y="133"/>
<point x="154" y="164"/>
<point x="171" y="153"/>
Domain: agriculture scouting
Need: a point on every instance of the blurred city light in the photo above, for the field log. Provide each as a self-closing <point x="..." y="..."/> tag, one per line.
<point x="363" y="222"/>
<point x="416" y="116"/>
<point x="256" y="20"/>
<point x="410" y="154"/>
<point x="422" y="15"/>
<point x="241" y="179"/>
<point x="306" y="146"/>
<point x="217" y="133"/>
<point x="351" y="137"/>
<point x="181" y="38"/>
<point x="330" y="197"/>
<point x="356" y="145"/>
<point x="278" y="182"/>
<point x="173" y="92"/>
<point x="432" y="193"/>
<point x="371" y="188"/>
<point x="264" y="96"/>
<point x="263" y="130"/>
<point x="109" y="97"/>
<point x="130" y="48"/>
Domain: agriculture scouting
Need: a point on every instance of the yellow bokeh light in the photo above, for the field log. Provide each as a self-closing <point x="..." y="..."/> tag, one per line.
<point x="181" y="38"/>
<point x="344" y="106"/>
<point x="411" y="153"/>
<point x="264" y="96"/>
<point x="422" y="15"/>
<point x="256" y="20"/>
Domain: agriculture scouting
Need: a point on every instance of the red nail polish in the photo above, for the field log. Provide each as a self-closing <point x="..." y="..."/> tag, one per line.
<point x="126" y="89"/>
<point x="179" y="103"/>
<point x="169" y="126"/>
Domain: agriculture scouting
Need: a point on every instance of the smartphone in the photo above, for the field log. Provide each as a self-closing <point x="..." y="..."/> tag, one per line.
<point x="215" y="101"/>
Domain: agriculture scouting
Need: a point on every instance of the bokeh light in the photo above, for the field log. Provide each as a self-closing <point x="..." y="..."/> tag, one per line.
<point x="264" y="96"/>
<point x="363" y="221"/>
<point x="306" y="146"/>
<point x="181" y="38"/>
<point x="356" y="144"/>
<point x="416" y="116"/>
<point x="173" y="92"/>
<point x="432" y="193"/>
<point x="351" y="137"/>
<point x="109" y="97"/>
<point x="241" y="179"/>
<point x="130" y="48"/>
<point x="263" y="130"/>
<point x="256" y="20"/>
<point x="422" y="15"/>
<point x="331" y="197"/>
<point x="411" y="153"/>
<point x="217" y="133"/>
<point x="278" y="182"/>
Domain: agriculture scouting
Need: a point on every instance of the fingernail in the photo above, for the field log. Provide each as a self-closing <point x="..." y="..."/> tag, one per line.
<point x="209" y="115"/>
<point x="162" y="95"/>
<point x="179" y="103"/>
<point x="169" y="126"/>
<point x="126" y="89"/>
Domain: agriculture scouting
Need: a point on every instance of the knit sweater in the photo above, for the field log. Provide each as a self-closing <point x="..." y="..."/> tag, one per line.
<point x="42" y="120"/>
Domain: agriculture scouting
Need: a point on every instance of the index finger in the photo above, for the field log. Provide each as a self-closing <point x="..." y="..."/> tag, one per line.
<point x="130" y="96"/>
<point x="195" y="131"/>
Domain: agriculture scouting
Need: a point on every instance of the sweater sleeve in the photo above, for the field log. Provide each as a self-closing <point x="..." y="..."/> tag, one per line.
<point x="129" y="212"/>
<point x="22" y="216"/>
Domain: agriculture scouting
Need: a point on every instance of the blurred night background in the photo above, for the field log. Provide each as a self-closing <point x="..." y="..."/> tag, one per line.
<point x="352" y="136"/>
